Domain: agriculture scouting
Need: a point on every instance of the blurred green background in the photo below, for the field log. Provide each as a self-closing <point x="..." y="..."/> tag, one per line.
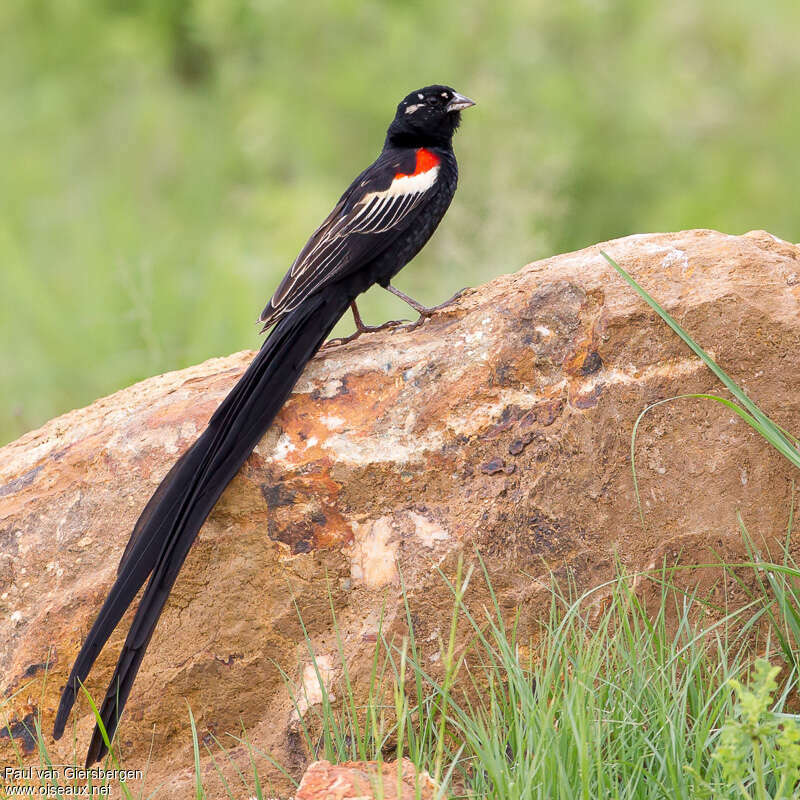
<point x="164" y="160"/>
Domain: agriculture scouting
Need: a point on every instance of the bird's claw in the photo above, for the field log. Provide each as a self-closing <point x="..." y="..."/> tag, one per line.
<point x="426" y="312"/>
<point x="392" y="323"/>
<point x="449" y="301"/>
<point x="410" y="326"/>
<point x="340" y="340"/>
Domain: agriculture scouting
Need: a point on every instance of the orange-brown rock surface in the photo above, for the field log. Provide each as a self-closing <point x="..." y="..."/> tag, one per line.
<point x="365" y="780"/>
<point x="503" y="425"/>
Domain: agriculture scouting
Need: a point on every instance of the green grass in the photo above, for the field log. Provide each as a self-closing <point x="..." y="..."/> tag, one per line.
<point x="613" y="699"/>
<point x="629" y="705"/>
<point x="163" y="162"/>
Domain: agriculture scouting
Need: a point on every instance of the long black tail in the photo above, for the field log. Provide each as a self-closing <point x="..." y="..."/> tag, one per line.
<point x="176" y="512"/>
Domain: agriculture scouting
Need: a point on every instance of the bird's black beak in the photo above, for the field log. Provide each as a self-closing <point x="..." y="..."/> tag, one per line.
<point x="459" y="102"/>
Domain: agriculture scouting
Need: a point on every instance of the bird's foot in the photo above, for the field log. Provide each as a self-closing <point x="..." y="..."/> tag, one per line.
<point x="447" y="302"/>
<point x="425" y="312"/>
<point x="393" y="323"/>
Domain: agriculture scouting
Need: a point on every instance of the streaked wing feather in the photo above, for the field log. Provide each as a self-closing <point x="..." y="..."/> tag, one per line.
<point x="331" y="259"/>
<point x="341" y="243"/>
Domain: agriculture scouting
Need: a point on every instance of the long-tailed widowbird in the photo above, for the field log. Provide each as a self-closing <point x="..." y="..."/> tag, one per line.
<point x="380" y="223"/>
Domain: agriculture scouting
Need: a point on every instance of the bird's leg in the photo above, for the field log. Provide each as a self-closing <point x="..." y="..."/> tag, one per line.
<point x="361" y="327"/>
<point x="423" y="311"/>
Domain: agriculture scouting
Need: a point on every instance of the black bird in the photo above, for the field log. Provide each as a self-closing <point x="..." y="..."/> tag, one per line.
<point x="379" y="224"/>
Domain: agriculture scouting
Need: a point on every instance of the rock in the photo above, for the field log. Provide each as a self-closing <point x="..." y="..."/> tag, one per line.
<point x="365" y="780"/>
<point x="502" y="424"/>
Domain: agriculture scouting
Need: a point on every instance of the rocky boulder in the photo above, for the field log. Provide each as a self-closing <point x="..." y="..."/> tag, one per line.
<point x="501" y="426"/>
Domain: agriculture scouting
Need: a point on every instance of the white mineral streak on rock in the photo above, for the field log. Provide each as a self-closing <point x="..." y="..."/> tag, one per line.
<point x="373" y="555"/>
<point x="395" y="446"/>
<point x="398" y="445"/>
<point x="427" y="530"/>
<point x="282" y="448"/>
<point x="311" y="690"/>
<point x="687" y="366"/>
<point x="673" y="257"/>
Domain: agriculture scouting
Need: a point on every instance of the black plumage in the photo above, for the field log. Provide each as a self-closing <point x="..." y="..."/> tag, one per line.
<point x="379" y="224"/>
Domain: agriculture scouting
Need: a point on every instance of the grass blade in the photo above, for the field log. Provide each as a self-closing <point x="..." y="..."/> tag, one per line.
<point x="785" y="443"/>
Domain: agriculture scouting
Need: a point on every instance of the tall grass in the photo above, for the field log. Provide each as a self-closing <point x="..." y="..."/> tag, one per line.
<point x="626" y="703"/>
<point x="614" y="699"/>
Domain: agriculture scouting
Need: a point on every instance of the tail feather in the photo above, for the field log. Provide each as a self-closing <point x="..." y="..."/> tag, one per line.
<point x="174" y="515"/>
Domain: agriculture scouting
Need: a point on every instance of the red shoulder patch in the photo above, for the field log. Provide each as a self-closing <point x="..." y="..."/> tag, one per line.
<point x="425" y="160"/>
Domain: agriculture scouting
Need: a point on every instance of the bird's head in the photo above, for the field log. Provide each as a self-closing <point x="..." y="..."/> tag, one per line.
<point x="428" y="116"/>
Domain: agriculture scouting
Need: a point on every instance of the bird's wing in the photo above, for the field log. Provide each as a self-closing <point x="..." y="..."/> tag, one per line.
<point x="380" y="204"/>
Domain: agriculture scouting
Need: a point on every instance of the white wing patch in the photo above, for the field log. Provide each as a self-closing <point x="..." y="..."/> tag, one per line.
<point x="379" y="211"/>
<point x="407" y="184"/>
